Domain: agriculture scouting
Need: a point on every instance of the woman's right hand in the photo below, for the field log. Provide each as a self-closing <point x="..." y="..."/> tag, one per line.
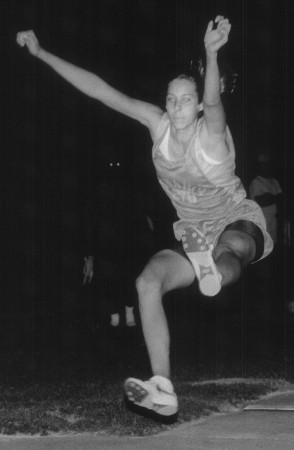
<point x="28" y="39"/>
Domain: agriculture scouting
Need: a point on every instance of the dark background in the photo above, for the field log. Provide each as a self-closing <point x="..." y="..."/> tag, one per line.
<point x="56" y="144"/>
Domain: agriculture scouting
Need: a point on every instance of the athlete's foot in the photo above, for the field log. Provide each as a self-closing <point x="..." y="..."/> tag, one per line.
<point x="199" y="253"/>
<point x="154" y="398"/>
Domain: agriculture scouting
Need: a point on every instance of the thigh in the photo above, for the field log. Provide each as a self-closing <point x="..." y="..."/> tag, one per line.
<point x="170" y="269"/>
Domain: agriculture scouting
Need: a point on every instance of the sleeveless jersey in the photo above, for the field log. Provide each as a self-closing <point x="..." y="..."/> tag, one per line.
<point x="205" y="193"/>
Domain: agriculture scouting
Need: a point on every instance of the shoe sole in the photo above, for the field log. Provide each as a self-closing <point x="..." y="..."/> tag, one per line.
<point x="149" y="413"/>
<point x="198" y="251"/>
<point x="138" y="400"/>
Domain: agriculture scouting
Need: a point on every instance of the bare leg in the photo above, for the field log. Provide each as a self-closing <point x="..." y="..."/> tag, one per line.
<point x="166" y="271"/>
<point x="235" y="250"/>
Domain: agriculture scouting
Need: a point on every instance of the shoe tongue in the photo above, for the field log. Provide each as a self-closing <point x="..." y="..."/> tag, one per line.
<point x="163" y="383"/>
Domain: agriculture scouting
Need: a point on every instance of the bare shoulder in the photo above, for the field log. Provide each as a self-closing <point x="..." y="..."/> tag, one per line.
<point x="146" y="113"/>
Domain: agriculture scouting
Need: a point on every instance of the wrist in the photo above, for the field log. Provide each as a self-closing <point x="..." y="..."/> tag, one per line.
<point x="211" y="55"/>
<point x="40" y="53"/>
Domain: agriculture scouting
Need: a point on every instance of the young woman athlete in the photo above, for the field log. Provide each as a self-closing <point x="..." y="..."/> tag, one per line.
<point x="219" y="231"/>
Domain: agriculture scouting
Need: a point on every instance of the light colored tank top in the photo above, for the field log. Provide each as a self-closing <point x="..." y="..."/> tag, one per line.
<point x="205" y="193"/>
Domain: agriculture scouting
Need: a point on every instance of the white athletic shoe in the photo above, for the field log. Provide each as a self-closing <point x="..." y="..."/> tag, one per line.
<point x="154" y="398"/>
<point x="199" y="253"/>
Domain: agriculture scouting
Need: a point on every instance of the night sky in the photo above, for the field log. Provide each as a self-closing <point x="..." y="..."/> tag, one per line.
<point x="57" y="144"/>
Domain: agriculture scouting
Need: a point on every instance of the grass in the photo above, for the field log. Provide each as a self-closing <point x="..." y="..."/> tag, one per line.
<point x="75" y="386"/>
<point x="70" y="391"/>
<point x="99" y="406"/>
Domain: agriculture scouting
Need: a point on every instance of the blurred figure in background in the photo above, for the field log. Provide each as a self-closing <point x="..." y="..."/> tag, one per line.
<point x="268" y="275"/>
<point x="267" y="192"/>
<point x="118" y="245"/>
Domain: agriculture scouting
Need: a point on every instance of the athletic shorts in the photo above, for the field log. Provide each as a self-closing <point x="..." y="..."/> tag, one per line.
<point x="240" y="225"/>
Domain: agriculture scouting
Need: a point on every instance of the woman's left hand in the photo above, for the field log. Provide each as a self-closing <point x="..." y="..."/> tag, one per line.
<point x="215" y="38"/>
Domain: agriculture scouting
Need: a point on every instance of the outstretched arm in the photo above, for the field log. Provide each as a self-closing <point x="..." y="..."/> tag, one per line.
<point x="214" y="115"/>
<point x="92" y="85"/>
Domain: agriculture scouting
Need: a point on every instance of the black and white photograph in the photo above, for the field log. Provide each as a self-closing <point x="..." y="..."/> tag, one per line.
<point x="147" y="266"/>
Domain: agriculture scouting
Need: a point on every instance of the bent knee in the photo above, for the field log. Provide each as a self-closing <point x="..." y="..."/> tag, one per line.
<point x="148" y="282"/>
<point x="237" y="242"/>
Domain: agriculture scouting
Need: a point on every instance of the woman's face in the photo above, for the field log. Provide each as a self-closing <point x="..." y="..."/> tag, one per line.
<point x="182" y="104"/>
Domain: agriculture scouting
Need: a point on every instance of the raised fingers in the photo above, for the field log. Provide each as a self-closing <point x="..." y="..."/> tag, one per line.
<point x="210" y="25"/>
<point x="224" y="27"/>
